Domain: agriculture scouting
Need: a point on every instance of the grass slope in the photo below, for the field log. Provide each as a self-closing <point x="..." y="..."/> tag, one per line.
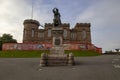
<point x="37" y="54"/>
<point x="78" y="53"/>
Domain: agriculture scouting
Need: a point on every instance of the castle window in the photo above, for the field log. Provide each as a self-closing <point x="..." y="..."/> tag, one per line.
<point x="65" y="33"/>
<point x="49" y="33"/>
<point x="38" y="35"/>
<point x="73" y="36"/>
<point x="33" y="32"/>
<point x="84" y="34"/>
<point x="25" y="33"/>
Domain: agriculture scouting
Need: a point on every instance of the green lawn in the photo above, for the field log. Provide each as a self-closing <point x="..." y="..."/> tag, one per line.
<point x="78" y="53"/>
<point x="37" y="54"/>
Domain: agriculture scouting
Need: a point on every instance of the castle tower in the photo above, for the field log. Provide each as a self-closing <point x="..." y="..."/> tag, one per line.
<point x="30" y="33"/>
<point x="83" y="32"/>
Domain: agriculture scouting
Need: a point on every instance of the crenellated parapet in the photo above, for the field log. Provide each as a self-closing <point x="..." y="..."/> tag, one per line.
<point x="51" y="24"/>
<point x="65" y="25"/>
<point x="48" y="24"/>
<point x="28" y="21"/>
<point x="82" y="25"/>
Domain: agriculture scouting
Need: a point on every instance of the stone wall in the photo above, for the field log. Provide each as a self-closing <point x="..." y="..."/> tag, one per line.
<point x="47" y="46"/>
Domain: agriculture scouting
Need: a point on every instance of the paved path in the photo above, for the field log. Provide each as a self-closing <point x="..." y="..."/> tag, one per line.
<point x="105" y="67"/>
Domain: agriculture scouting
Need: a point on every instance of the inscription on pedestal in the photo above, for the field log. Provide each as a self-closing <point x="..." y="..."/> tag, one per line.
<point x="57" y="42"/>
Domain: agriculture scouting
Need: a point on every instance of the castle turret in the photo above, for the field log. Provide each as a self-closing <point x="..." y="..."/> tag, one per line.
<point x="30" y="33"/>
<point x="83" y="32"/>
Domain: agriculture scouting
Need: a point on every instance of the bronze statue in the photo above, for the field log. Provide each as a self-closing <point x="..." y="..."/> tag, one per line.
<point x="56" y="20"/>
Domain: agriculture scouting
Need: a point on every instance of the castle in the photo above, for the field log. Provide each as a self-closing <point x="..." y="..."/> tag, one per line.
<point x="79" y="34"/>
<point x="34" y="38"/>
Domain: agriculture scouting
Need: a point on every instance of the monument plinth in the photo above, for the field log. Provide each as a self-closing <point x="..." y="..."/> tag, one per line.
<point x="57" y="57"/>
<point x="57" y="36"/>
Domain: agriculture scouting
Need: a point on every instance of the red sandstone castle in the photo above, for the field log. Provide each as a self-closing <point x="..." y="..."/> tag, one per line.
<point x="79" y="34"/>
<point x="77" y="38"/>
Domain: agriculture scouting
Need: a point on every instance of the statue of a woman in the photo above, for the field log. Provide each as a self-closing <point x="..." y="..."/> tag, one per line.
<point x="56" y="20"/>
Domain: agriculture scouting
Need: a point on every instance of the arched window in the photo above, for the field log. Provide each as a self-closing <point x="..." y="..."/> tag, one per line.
<point x="49" y="33"/>
<point x="84" y="35"/>
<point x="33" y="32"/>
<point x="65" y="33"/>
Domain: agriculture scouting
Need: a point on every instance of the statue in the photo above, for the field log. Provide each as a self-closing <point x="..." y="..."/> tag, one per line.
<point x="56" y="20"/>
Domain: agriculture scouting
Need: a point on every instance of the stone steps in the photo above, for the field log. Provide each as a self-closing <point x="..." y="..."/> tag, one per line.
<point x="57" y="60"/>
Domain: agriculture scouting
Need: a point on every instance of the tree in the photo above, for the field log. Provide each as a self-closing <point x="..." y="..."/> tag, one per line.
<point x="7" y="38"/>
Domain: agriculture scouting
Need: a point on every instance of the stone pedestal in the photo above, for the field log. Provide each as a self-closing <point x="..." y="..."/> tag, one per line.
<point x="56" y="60"/>
<point x="57" y="56"/>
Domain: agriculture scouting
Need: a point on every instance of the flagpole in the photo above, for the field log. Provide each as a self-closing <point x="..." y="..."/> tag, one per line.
<point x="32" y="11"/>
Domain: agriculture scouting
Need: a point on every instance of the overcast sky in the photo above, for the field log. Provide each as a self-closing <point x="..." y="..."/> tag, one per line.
<point x="104" y="16"/>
